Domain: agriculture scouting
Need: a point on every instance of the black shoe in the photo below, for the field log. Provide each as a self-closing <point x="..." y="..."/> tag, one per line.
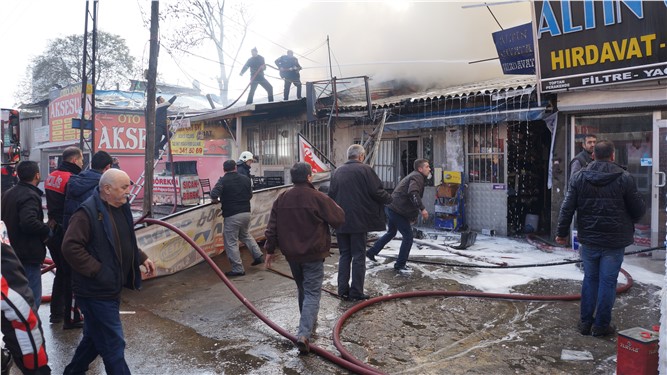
<point x="584" y="328"/>
<point x="73" y="325"/>
<point x="344" y="297"/>
<point x="603" y="331"/>
<point x="234" y="273"/>
<point x="257" y="261"/>
<point x="55" y="319"/>
<point x="371" y="257"/>
<point x="302" y="345"/>
<point x="360" y="298"/>
<point x="403" y="269"/>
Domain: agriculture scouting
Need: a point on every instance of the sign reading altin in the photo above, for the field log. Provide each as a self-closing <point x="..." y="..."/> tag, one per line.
<point x="583" y="44"/>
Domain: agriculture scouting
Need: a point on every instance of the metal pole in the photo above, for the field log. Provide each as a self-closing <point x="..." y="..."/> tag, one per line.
<point x="150" y="110"/>
<point x="329" y="50"/>
<point x="94" y="81"/>
<point x="84" y="80"/>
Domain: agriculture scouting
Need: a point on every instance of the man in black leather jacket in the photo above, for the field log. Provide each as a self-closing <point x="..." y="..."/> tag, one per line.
<point x="608" y="204"/>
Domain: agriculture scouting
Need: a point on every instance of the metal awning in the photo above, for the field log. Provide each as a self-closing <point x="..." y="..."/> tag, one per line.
<point x="60" y="144"/>
<point x="613" y="97"/>
<point x="517" y="115"/>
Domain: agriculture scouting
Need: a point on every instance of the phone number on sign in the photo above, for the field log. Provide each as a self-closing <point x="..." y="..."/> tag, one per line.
<point x="188" y="150"/>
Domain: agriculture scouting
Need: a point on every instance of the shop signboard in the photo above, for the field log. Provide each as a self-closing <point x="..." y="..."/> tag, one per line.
<point x="187" y="190"/>
<point x="64" y="105"/>
<point x="515" y="49"/>
<point x="585" y="44"/>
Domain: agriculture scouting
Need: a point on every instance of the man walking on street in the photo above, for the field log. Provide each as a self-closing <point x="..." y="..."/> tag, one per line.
<point x="257" y="67"/>
<point x="23" y="215"/>
<point x="299" y="226"/>
<point x="79" y="188"/>
<point x="358" y="190"/>
<point x="234" y="192"/>
<point x="289" y="68"/>
<point x="101" y="247"/>
<point x="402" y="212"/>
<point x="607" y="203"/>
<point x="56" y="186"/>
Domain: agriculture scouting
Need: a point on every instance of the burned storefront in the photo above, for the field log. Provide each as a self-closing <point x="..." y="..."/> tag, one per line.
<point x="493" y="132"/>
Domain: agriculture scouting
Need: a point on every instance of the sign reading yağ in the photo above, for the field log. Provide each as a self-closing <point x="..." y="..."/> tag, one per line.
<point x="583" y="44"/>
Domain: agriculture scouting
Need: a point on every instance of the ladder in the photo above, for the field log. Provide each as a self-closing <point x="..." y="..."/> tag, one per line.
<point x="139" y="184"/>
<point x="372" y="144"/>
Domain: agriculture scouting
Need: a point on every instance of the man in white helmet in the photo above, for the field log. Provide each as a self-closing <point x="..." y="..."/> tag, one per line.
<point x="245" y="162"/>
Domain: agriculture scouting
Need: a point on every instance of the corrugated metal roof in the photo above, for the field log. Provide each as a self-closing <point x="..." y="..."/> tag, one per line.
<point x="515" y="85"/>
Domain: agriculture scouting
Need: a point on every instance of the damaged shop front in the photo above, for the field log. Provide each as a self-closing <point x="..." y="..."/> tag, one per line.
<point x="493" y="132"/>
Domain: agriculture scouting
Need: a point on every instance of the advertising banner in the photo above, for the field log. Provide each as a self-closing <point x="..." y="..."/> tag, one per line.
<point x="124" y="133"/>
<point x="515" y="49"/>
<point x="584" y="44"/>
<point x="188" y="191"/>
<point x="64" y="105"/>
<point x="204" y="224"/>
<point x="120" y="133"/>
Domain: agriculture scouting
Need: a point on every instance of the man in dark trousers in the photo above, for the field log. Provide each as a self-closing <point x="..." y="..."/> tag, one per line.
<point x="79" y="188"/>
<point x="56" y="188"/>
<point x="607" y="203"/>
<point x="358" y="190"/>
<point x="299" y="226"/>
<point x="404" y="209"/>
<point x="583" y="158"/>
<point x="161" y="126"/>
<point x="23" y="215"/>
<point x="234" y="193"/>
<point x="21" y="327"/>
<point x="101" y="247"/>
<point x="257" y="66"/>
<point x="289" y="68"/>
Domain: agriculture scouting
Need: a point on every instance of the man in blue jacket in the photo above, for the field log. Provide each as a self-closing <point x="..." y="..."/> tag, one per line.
<point x="101" y="247"/>
<point x="607" y="203"/>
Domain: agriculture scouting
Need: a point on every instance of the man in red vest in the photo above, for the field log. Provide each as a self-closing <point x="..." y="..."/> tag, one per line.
<point x="62" y="306"/>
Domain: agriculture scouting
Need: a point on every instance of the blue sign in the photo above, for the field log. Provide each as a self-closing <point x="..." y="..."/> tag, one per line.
<point x="515" y="49"/>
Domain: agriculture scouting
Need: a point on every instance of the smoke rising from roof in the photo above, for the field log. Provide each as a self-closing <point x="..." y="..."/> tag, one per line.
<point x="429" y="44"/>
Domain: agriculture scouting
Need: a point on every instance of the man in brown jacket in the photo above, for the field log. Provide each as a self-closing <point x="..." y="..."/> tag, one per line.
<point x="299" y="226"/>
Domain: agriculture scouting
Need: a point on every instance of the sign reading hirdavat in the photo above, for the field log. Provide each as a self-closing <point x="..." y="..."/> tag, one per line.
<point x="583" y="44"/>
<point x="515" y="49"/>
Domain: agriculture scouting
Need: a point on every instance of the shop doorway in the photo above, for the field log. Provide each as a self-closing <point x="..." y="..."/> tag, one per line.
<point x="408" y="149"/>
<point x="633" y="138"/>
<point x="659" y="219"/>
<point x="528" y="198"/>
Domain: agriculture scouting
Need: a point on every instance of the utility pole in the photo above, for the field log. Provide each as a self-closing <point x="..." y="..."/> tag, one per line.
<point x="150" y="110"/>
<point x="88" y="58"/>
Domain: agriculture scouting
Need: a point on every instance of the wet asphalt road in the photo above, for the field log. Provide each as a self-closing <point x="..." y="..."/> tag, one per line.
<point x="190" y="323"/>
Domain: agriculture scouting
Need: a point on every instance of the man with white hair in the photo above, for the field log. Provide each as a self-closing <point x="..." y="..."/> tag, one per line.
<point x="101" y="247"/>
<point x="358" y="190"/>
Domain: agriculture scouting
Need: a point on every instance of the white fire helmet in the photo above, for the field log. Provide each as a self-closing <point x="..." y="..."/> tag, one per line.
<point x="245" y="156"/>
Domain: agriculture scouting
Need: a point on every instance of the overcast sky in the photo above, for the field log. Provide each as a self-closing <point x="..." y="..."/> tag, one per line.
<point x="424" y="41"/>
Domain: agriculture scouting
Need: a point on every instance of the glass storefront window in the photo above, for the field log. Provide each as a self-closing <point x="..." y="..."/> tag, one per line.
<point x="632" y="135"/>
